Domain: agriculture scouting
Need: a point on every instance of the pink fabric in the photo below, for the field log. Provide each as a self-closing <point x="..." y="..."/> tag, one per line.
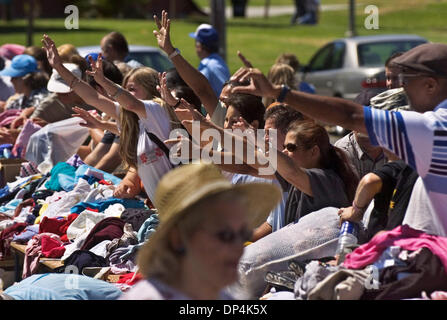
<point x="10" y="50"/>
<point x="8" y="116"/>
<point x="33" y="252"/>
<point x="402" y="236"/>
<point x="28" y="129"/>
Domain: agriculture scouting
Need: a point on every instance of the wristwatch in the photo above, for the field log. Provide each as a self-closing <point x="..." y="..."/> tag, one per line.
<point x="282" y="95"/>
<point x="175" y="53"/>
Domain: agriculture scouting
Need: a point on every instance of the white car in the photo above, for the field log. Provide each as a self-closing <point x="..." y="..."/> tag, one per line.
<point x="146" y="55"/>
<point x="343" y="67"/>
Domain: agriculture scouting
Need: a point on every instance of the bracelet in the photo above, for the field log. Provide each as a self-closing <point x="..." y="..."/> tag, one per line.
<point x="117" y="93"/>
<point x="282" y="95"/>
<point x="71" y="83"/>
<point x="175" y="53"/>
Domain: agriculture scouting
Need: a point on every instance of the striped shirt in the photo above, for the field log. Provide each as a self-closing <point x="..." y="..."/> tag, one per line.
<point x="420" y="139"/>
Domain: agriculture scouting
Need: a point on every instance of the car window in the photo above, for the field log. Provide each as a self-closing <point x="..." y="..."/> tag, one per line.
<point x="154" y="60"/>
<point x="376" y="54"/>
<point x="322" y="59"/>
<point x="337" y="55"/>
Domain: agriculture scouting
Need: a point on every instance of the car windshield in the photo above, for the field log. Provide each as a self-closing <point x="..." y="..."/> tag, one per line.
<point x="376" y="54"/>
<point x="151" y="59"/>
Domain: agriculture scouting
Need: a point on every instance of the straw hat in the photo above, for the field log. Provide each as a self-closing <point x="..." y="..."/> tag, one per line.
<point x="184" y="186"/>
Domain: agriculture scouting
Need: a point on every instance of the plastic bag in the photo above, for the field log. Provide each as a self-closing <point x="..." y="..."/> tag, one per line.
<point x="56" y="142"/>
<point x="314" y="236"/>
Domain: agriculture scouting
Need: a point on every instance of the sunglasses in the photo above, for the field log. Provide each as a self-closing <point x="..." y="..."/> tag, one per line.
<point x="229" y="236"/>
<point x="291" y="147"/>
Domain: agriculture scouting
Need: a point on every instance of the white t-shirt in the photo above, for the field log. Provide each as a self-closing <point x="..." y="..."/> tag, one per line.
<point x="153" y="164"/>
<point x="419" y="214"/>
<point x="420" y="139"/>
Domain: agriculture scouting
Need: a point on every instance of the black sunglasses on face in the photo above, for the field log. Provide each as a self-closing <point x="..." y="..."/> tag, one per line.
<point x="291" y="147"/>
<point x="229" y="236"/>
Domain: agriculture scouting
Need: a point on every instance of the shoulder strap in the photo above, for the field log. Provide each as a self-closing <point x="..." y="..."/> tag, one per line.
<point x="158" y="142"/>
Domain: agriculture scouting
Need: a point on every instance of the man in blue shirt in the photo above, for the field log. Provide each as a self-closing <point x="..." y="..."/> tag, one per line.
<point x="212" y="66"/>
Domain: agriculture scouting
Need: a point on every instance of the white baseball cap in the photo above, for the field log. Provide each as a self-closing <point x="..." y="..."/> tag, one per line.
<point x="57" y="84"/>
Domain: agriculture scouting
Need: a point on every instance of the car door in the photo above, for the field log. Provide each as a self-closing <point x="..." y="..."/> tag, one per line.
<point x="324" y="66"/>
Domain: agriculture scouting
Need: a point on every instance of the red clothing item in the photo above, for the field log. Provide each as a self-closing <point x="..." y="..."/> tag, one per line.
<point x="6" y="238"/>
<point x="402" y="236"/>
<point x="52" y="247"/>
<point x="56" y="226"/>
<point x="130" y="278"/>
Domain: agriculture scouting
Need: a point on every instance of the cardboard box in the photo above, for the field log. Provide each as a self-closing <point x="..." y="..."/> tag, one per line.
<point x="9" y="170"/>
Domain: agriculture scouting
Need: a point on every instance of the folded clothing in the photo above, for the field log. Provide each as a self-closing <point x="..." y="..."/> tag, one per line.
<point x="80" y="259"/>
<point x="107" y="229"/>
<point x="59" y="168"/>
<point x="102" y="205"/>
<point x="27" y="234"/>
<point x="6" y="237"/>
<point x="57" y="226"/>
<point x="136" y="216"/>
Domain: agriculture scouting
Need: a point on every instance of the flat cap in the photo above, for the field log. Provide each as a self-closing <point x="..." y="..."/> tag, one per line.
<point x="428" y="58"/>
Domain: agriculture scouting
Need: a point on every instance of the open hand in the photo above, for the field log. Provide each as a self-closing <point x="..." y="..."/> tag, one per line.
<point x="90" y="120"/>
<point x="97" y="70"/>
<point x="164" y="91"/>
<point x="259" y="84"/>
<point x="50" y="47"/>
<point x="162" y="35"/>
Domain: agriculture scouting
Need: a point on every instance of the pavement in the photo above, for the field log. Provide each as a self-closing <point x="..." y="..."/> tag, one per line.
<point x="253" y="12"/>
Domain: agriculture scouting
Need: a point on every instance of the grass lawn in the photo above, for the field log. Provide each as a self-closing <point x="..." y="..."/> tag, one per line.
<point x="261" y="40"/>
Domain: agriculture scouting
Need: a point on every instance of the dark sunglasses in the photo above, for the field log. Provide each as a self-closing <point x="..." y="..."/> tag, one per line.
<point x="229" y="236"/>
<point x="291" y="147"/>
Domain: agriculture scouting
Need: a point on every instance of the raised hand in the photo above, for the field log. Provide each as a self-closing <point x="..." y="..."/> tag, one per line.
<point x="90" y="120"/>
<point x="162" y="35"/>
<point x="164" y="91"/>
<point x="244" y="60"/>
<point x="259" y="84"/>
<point x="53" y="56"/>
<point x="97" y="72"/>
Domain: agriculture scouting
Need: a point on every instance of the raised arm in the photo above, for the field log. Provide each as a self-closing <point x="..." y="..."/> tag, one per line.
<point x="82" y="88"/>
<point x="93" y="122"/>
<point x="192" y="76"/>
<point x="121" y="95"/>
<point x="284" y="165"/>
<point x="331" y="110"/>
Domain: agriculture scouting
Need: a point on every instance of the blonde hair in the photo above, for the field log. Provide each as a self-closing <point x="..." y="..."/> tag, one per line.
<point x="279" y="74"/>
<point x="66" y="51"/>
<point x="290" y="59"/>
<point x="148" y="79"/>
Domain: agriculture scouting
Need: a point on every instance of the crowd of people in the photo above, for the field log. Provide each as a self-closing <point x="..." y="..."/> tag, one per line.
<point x="224" y="229"/>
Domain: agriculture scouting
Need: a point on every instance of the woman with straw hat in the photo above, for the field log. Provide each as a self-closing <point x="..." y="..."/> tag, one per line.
<point x="204" y="222"/>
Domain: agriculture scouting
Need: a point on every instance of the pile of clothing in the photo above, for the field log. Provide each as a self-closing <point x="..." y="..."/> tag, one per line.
<point x="402" y="263"/>
<point x="70" y="214"/>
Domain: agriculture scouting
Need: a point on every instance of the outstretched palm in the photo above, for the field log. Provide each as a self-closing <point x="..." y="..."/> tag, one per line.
<point x="53" y="56"/>
<point x="97" y="71"/>
<point x="162" y="35"/>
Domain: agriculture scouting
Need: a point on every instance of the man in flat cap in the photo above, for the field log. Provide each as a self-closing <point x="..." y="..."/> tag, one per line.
<point x="418" y="137"/>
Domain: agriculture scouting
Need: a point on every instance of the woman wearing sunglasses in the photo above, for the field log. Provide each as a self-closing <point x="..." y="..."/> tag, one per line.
<point x="204" y="223"/>
<point x="314" y="172"/>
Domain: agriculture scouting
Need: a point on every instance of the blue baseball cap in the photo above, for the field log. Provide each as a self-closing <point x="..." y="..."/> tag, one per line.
<point x="94" y="56"/>
<point x="20" y="66"/>
<point x="206" y="34"/>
